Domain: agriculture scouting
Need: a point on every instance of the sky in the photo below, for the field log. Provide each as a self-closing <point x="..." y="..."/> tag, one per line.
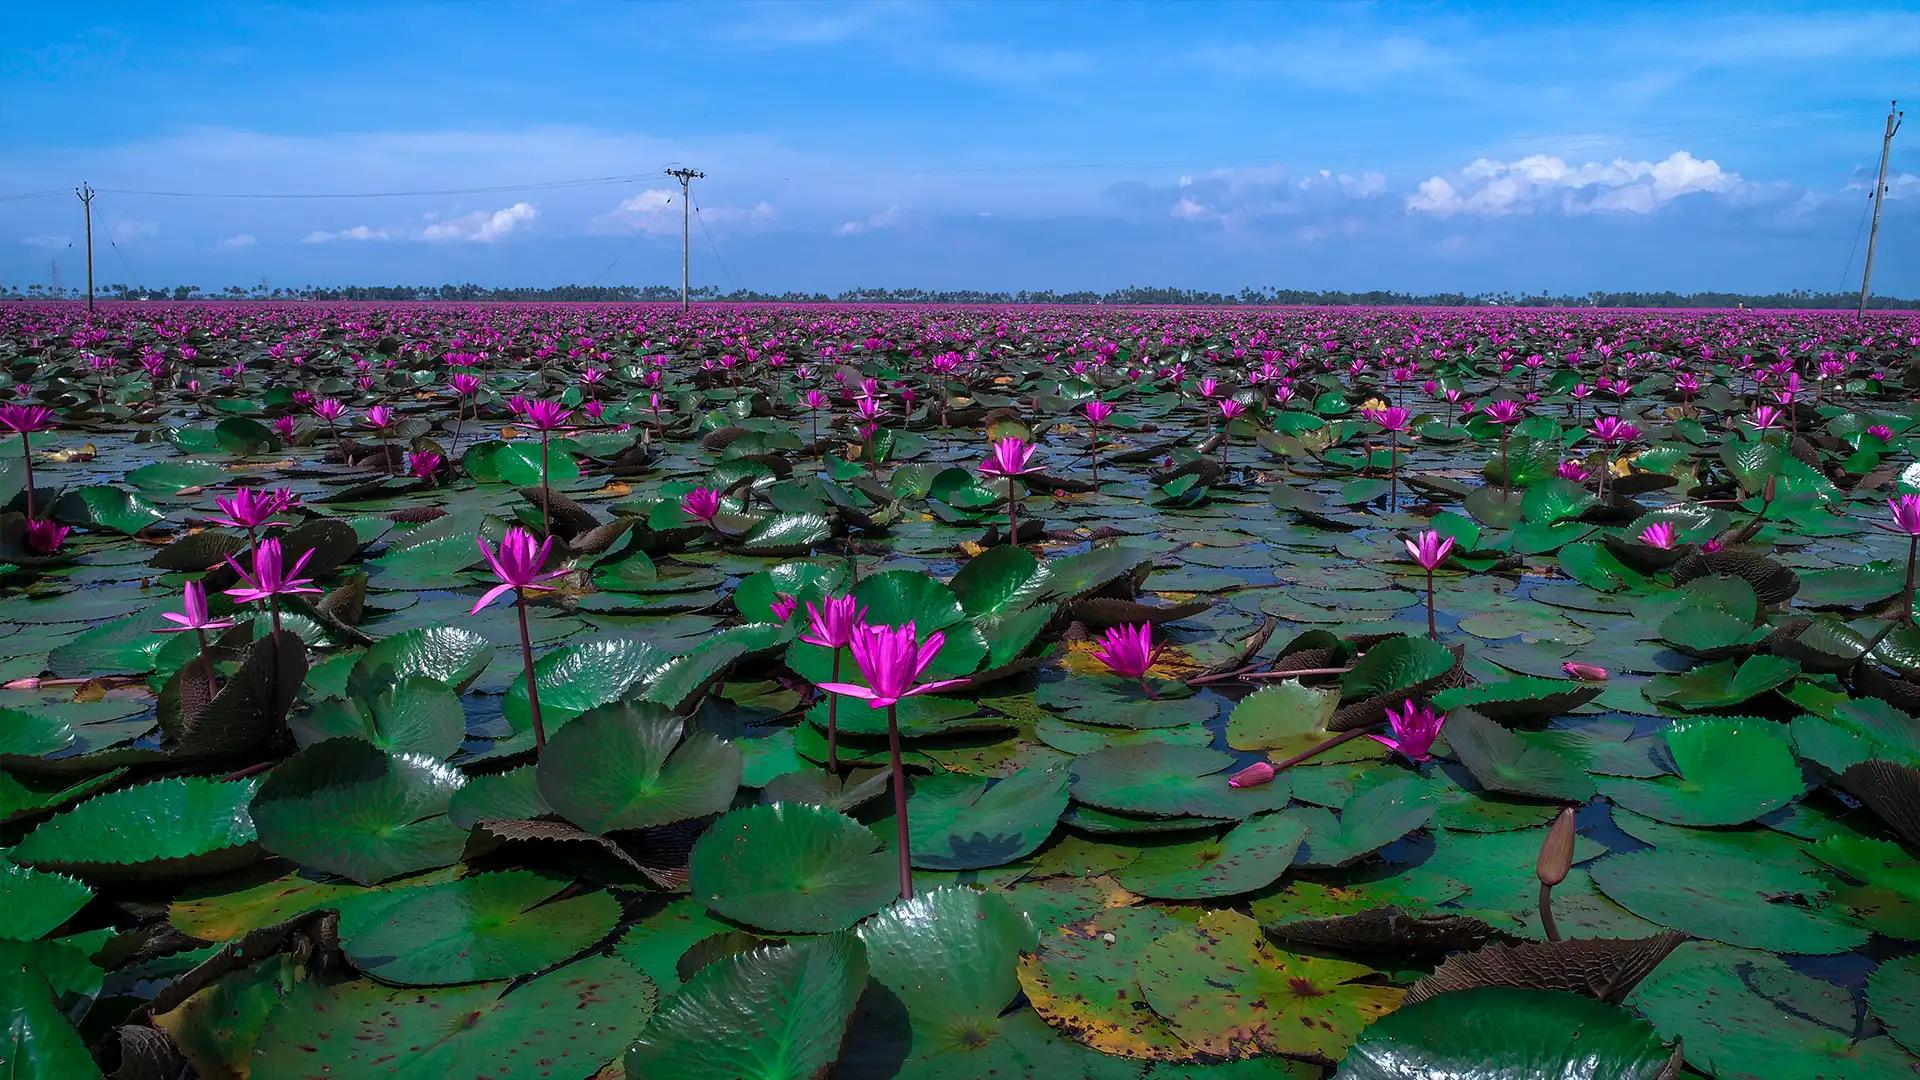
<point x="1520" y="147"/>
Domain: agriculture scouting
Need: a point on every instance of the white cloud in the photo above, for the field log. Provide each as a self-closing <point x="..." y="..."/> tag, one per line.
<point x="483" y="227"/>
<point x="1233" y="197"/>
<point x="358" y="232"/>
<point x="655" y="211"/>
<point x="885" y="219"/>
<point x="238" y="242"/>
<point x="47" y="240"/>
<point x="123" y="231"/>
<point x="1543" y="182"/>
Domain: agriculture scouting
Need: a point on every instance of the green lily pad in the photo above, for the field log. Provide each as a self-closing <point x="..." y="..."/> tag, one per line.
<point x="1375" y="815"/>
<point x="792" y="867"/>
<point x="352" y="809"/>
<point x="1731" y="899"/>
<point x="575" y="678"/>
<point x="1169" y="781"/>
<point x="415" y="715"/>
<point x="475" y="928"/>
<point x="962" y="823"/>
<point x="1229" y="992"/>
<point x="1722" y="685"/>
<point x="1731" y="771"/>
<point x="1084" y="980"/>
<point x="447" y="653"/>
<point x="1501" y="761"/>
<point x="1249" y="856"/>
<point x="41" y="1044"/>
<point x="776" y="1013"/>
<point x="160" y="829"/>
<point x="1894" y="992"/>
<point x="1498" y="1031"/>
<point x="1748" y="1016"/>
<point x="632" y="766"/>
<point x="569" y="1022"/>
<point x="1288" y="718"/>
<point x="1395" y="664"/>
<point x="38" y="902"/>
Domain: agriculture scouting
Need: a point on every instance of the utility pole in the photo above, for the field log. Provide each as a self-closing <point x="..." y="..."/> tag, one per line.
<point x="1894" y="116"/>
<point x="87" y="202"/>
<point x="686" y="178"/>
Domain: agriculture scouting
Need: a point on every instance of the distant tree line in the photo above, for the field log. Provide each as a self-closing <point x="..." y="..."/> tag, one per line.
<point x="1131" y="296"/>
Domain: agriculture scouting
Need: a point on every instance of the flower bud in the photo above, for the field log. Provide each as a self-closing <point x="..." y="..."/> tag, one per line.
<point x="1259" y="772"/>
<point x="1556" y="854"/>
<point x="1584" y="672"/>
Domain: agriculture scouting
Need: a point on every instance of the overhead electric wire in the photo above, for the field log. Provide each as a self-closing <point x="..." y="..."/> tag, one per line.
<point x="590" y="181"/>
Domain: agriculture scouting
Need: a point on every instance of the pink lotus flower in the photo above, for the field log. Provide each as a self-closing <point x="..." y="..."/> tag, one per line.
<point x="1395" y="419"/>
<point x="1660" y="534"/>
<point x="1881" y="432"/>
<point x="44" y="537"/>
<point x="195" y="616"/>
<point x="1260" y="772"/>
<point x="1764" y="418"/>
<point x="701" y="504"/>
<point x="1209" y="387"/>
<point x="1906" y="513"/>
<point x="1414" y="729"/>
<point x="286" y="427"/>
<point x="425" y="464"/>
<point x="1010" y="457"/>
<point x="1503" y="411"/>
<point x="832" y="624"/>
<point x="269" y="577"/>
<point x="517" y="565"/>
<point x="25" y="419"/>
<point x="1097" y="412"/>
<point x="891" y="658"/>
<point x="1127" y="650"/>
<point x="464" y="385"/>
<point x="782" y="606"/>
<point x="329" y="410"/>
<point x="1231" y="409"/>
<point x="1574" y="471"/>
<point x="1584" y="672"/>
<point x="547" y="415"/>
<point x="1430" y="550"/>
<point x="1614" y="431"/>
<point x="250" y="508"/>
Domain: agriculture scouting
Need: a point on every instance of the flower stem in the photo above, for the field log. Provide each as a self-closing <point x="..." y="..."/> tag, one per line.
<point x="1013" y="513"/>
<point x="833" y="721"/>
<point x="26" y="456"/>
<point x="1906" y="597"/>
<point x="1546" y="912"/>
<point x="1325" y="745"/>
<point x="900" y="804"/>
<point x="1432" y="633"/>
<point x="206" y="665"/>
<point x="533" y="690"/>
<point x="546" y="520"/>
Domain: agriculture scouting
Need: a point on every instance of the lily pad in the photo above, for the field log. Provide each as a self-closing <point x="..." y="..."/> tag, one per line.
<point x="792" y="867"/>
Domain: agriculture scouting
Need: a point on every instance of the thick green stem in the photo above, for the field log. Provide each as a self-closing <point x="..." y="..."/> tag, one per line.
<point x="900" y="805"/>
<point x="533" y="690"/>
<point x="833" y="721"/>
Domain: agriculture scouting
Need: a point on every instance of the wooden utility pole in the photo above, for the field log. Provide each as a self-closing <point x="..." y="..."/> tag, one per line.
<point x="1894" y="116"/>
<point x="686" y="178"/>
<point x="87" y="204"/>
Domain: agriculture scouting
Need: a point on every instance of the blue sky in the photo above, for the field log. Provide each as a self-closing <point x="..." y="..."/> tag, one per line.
<point x="1521" y="146"/>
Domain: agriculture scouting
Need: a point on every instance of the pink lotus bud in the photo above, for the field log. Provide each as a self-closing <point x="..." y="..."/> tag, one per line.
<point x="1260" y="772"/>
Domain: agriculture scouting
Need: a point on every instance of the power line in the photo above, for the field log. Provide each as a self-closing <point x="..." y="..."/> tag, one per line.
<point x="33" y="195"/>
<point x="590" y="181"/>
<point x="713" y="247"/>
